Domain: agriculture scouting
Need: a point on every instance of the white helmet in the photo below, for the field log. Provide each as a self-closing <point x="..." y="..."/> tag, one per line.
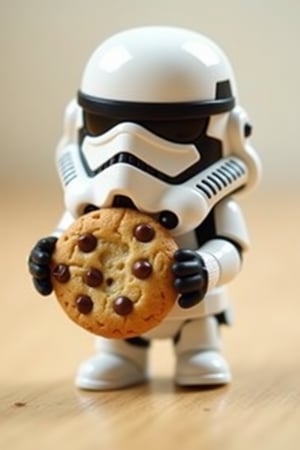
<point x="158" y="124"/>
<point x="157" y="65"/>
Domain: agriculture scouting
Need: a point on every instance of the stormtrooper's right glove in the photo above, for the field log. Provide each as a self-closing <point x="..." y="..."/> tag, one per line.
<point x="39" y="264"/>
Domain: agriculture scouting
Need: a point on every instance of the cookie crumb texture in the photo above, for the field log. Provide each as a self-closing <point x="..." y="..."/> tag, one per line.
<point x="111" y="272"/>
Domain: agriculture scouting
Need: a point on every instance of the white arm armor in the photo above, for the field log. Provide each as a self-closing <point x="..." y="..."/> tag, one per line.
<point x="221" y="257"/>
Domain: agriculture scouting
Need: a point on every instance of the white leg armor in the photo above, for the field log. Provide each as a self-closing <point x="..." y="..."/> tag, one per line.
<point x="199" y="360"/>
<point x="117" y="364"/>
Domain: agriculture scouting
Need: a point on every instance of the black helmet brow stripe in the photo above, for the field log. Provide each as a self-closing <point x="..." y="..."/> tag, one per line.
<point x="155" y="111"/>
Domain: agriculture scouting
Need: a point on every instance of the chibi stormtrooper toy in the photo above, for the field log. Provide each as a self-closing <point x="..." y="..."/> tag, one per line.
<point x="156" y="126"/>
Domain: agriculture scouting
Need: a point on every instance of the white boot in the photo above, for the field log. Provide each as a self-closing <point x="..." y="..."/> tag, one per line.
<point x="116" y="365"/>
<point x="199" y="360"/>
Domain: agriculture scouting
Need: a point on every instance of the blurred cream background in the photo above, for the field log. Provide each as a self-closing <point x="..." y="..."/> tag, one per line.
<point x="46" y="43"/>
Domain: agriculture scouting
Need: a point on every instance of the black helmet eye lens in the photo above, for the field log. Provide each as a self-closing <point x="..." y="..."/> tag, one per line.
<point x="177" y="130"/>
<point x="182" y="131"/>
<point x="97" y="124"/>
<point x="183" y="122"/>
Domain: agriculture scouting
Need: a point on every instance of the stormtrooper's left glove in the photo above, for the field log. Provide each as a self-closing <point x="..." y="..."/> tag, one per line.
<point x="191" y="277"/>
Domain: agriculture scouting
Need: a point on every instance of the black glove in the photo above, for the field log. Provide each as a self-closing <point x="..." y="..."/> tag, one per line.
<point x="191" y="277"/>
<point x="39" y="264"/>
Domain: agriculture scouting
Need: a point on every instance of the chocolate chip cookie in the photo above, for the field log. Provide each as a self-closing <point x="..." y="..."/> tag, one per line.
<point x="111" y="272"/>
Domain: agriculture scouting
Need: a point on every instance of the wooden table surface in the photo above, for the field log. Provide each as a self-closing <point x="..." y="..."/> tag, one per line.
<point x="40" y="350"/>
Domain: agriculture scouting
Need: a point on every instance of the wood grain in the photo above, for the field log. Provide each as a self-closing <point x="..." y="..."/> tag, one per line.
<point x="41" y="348"/>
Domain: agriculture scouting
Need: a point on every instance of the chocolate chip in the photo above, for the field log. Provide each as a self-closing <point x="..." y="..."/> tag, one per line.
<point x="123" y="306"/>
<point x="87" y="242"/>
<point x="142" y="269"/>
<point x="93" y="277"/>
<point x="84" y="304"/>
<point x="61" y="273"/>
<point x="144" y="232"/>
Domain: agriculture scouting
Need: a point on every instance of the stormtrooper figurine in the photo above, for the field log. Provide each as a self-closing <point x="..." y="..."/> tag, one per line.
<point x="156" y="126"/>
